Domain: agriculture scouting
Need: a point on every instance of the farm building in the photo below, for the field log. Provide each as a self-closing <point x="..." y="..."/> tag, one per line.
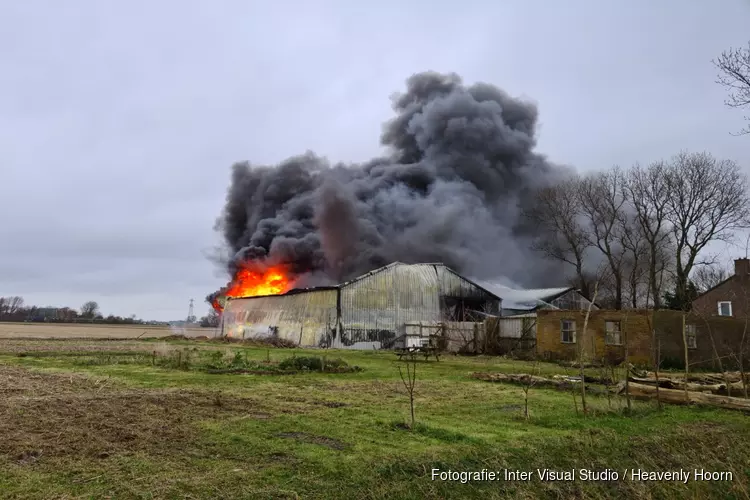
<point x="516" y="330"/>
<point x="374" y="311"/>
<point x="524" y="302"/>
<point x="638" y="335"/>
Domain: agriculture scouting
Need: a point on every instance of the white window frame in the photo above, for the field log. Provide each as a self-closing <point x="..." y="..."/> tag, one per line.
<point x="691" y="336"/>
<point x="569" y="330"/>
<point x="719" y="304"/>
<point x="609" y="334"/>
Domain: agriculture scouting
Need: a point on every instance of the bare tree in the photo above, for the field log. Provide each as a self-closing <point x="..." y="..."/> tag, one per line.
<point x="707" y="201"/>
<point x="687" y="357"/>
<point x="580" y="349"/>
<point x="15" y="304"/>
<point x="634" y="243"/>
<point x="409" y="381"/>
<point x="602" y="204"/>
<point x="528" y="382"/>
<point x="734" y="76"/>
<point x="556" y="212"/>
<point x="717" y="356"/>
<point x="708" y="276"/>
<point x="90" y="309"/>
<point x="648" y="192"/>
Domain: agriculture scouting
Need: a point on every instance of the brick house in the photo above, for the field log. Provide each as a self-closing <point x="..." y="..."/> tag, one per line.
<point x="729" y="298"/>
<point x="560" y="335"/>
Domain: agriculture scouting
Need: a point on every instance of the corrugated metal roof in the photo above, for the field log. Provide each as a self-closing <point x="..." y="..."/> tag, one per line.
<point x="524" y="299"/>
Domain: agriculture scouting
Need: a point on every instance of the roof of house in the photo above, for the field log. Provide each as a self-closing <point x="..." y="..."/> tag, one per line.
<point x="525" y="299"/>
<point x="730" y="278"/>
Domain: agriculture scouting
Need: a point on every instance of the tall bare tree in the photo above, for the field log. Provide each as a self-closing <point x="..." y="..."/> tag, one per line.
<point x="648" y="193"/>
<point x="708" y="276"/>
<point x="602" y="203"/>
<point x="734" y="75"/>
<point x="634" y="243"/>
<point x="557" y="214"/>
<point x="707" y="201"/>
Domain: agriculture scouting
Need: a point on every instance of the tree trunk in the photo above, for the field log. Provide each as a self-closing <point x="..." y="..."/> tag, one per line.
<point x="653" y="284"/>
<point x="687" y="364"/>
<point x="582" y="284"/>
<point x="618" y="289"/>
<point x="678" y="397"/>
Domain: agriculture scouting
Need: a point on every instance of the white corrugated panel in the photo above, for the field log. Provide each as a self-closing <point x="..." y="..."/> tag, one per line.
<point x="306" y="319"/>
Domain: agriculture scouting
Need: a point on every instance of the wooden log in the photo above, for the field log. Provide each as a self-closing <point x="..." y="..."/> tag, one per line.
<point x="705" y="378"/>
<point x="674" y="396"/>
<point x="669" y="383"/>
<point x="587" y="378"/>
<point x="523" y="379"/>
<point x="672" y="383"/>
<point x="534" y="381"/>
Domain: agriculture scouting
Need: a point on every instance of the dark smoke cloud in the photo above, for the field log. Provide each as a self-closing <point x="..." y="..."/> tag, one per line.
<point x="461" y="161"/>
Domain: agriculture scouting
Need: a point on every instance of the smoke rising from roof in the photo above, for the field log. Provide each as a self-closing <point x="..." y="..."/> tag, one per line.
<point x="460" y="161"/>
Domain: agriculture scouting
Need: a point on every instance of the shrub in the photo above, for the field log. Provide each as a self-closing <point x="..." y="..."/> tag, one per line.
<point x="315" y="364"/>
<point x="311" y="363"/>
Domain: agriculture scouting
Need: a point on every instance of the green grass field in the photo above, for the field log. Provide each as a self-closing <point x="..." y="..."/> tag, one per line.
<point x="146" y="420"/>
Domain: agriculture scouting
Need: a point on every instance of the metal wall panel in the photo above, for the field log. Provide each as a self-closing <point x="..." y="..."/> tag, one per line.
<point x="306" y="318"/>
<point x="375" y="307"/>
<point x="518" y="326"/>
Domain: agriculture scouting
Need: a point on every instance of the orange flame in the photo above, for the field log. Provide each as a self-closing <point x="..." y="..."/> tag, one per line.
<point x="252" y="280"/>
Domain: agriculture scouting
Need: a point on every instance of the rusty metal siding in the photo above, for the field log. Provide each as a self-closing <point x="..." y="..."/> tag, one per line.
<point x="306" y="319"/>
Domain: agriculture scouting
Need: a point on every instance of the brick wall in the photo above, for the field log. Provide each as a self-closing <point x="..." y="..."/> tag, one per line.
<point x="635" y="326"/>
<point x="716" y="337"/>
<point x="735" y="290"/>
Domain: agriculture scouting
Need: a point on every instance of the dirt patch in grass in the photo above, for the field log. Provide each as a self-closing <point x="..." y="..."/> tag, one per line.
<point x="304" y="437"/>
<point x="50" y="415"/>
<point x="17" y="381"/>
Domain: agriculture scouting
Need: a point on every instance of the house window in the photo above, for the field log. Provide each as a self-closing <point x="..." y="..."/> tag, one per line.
<point x="613" y="334"/>
<point x="691" y="337"/>
<point x="725" y="308"/>
<point x="568" y="331"/>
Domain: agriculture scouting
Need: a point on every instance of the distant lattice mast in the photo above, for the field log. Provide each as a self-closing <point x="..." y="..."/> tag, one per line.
<point x="191" y="316"/>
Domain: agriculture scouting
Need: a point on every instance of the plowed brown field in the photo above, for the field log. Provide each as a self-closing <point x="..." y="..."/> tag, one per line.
<point x="84" y="331"/>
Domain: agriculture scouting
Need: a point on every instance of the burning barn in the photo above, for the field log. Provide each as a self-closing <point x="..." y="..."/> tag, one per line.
<point x="376" y="310"/>
<point x="450" y="187"/>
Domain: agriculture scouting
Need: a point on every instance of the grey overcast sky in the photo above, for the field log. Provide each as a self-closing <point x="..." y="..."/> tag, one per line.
<point x="119" y="120"/>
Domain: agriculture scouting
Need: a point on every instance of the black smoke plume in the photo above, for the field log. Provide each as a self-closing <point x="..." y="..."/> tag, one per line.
<point x="461" y="163"/>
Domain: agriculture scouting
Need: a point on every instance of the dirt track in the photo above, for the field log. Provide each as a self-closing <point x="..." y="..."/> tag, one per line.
<point x="84" y="331"/>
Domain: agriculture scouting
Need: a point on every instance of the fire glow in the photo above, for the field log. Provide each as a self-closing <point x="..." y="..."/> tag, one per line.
<point x="253" y="280"/>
